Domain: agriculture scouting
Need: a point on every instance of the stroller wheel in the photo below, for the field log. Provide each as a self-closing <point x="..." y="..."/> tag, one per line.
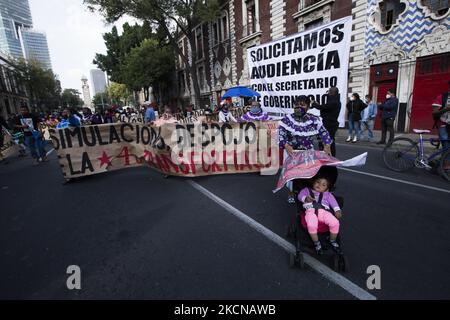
<point x="343" y="263"/>
<point x="291" y="260"/>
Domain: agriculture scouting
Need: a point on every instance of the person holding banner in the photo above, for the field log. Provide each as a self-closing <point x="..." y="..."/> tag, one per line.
<point x="225" y="115"/>
<point x="330" y="114"/>
<point x="296" y="132"/>
<point x="255" y="114"/>
<point x="28" y="123"/>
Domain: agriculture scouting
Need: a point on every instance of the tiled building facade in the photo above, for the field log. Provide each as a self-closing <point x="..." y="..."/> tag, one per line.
<point x="404" y="45"/>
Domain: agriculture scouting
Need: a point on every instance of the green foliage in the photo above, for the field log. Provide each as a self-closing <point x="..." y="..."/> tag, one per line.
<point x="71" y="98"/>
<point x="119" y="46"/>
<point x="148" y="65"/>
<point x="119" y="93"/>
<point x="172" y="19"/>
<point x="42" y="87"/>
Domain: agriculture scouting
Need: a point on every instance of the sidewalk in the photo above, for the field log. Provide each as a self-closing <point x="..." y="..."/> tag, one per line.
<point x="342" y="135"/>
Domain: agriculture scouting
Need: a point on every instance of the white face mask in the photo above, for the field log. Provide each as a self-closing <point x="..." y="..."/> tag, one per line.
<point x="388" y="96"/>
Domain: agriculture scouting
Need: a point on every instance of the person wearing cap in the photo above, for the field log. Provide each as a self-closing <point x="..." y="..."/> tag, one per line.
<point x="441" y="115"/>
<point x="297" y="130"/>
<point x="225" y="115"/>
<point x="255" y="114"/>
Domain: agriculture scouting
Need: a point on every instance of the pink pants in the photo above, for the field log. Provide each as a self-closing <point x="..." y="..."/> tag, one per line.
<point x="323" y="216"/>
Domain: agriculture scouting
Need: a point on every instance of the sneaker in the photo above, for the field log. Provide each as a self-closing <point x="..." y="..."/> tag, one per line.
<point x="349" y="139"/>
<point x="318" y="248"/>
<point x="335" y="246"/>
<point x="355" y="139"/>
<point x="44" y="159"/>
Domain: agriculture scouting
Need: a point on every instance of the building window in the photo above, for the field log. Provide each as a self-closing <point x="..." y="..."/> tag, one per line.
<point x="313" y="24"/>
<point x="201" y="78"/>
<point x="251" y="17"/>
<point x="199" y="42"/>
<point x="426" y="66"/>
<point x="309" y="3"/>
<point x="216" y="37"/>
<point x="180" y="58"/>
<point x="224" y="25"/>
<point x="390" y="12"/>
<point x="445" y="63"/>
<point x="438" y="7"/>
<point x="181" y="84"/>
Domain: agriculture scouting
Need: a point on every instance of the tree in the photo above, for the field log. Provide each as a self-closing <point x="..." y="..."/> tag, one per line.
<point x="149" y="65"/>
<point x="118" y="46"/>
<point x="71" y="98"/>
<point x="42" y="85"/>
<point x="101" y="100"/>
<point x="173" y="18"/>
<point x="118" y="93"/>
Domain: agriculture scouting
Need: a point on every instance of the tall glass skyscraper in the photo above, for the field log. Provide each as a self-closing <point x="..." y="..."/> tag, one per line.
<point x="98" y="81"/>
<point x="14" y="14"/>
<point x="17" y="38"/>
<point x="34" y="44"/>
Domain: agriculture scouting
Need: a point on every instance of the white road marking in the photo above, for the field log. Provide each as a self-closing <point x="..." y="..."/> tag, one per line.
<point x="50" y="152"/>
<point x="329" y="274"/>
<point x="396" y="180"/>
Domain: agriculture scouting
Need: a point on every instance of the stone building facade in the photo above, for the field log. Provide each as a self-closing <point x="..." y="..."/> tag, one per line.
<point x="12" y="92"/>
<point x="243" y="24"/>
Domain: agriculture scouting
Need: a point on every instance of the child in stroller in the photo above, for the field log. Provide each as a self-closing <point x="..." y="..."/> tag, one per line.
<point x="319" y="204"/>
<point x="316" y="232"/>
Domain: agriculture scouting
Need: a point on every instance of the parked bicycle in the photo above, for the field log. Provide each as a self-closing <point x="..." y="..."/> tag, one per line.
<point x="404" y="154"/>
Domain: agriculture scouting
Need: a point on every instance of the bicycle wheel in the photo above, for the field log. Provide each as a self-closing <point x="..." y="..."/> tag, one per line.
<point x="401" y="154"/>
<point x="444" y="165"/>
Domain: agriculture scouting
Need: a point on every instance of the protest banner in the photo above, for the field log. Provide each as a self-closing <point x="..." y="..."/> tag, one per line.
<point x="307" y="63"/>
<point x="306" y="164"/>
<point x="9" y="146"/>
<point x="173" y="149"/>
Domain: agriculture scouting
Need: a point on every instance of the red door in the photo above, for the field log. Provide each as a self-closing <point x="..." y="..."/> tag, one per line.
<point x="431" y="80"/>
<point x="382" y="89"/>
<point x="383" y="77"/>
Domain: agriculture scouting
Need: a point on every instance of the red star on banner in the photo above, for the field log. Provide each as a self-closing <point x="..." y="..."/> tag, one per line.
<point x="104" y="159"/>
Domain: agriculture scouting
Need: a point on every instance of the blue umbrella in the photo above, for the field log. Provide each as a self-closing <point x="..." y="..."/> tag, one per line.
<point x="240" y="92"/>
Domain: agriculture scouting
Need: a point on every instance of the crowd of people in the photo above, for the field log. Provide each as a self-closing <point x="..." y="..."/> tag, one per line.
<point x="294" y="134"/>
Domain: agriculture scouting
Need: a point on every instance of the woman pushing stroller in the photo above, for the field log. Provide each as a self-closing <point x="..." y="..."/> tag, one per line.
<point x="297" y="131"/>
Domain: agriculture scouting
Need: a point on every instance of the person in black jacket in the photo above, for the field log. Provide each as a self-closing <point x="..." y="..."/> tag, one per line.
<point x="389" y="112"/>
<point x="330" y="114"/>
<point x="354" y="108"/>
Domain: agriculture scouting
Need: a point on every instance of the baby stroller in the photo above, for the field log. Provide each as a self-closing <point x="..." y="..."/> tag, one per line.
<point x="297" y="230"/>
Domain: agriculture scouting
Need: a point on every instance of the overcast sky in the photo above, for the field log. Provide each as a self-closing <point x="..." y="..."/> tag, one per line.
<point x="74" y="36"/>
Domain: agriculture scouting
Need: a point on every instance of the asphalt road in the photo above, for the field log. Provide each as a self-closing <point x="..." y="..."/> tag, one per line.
<point x="137" y="235"/>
